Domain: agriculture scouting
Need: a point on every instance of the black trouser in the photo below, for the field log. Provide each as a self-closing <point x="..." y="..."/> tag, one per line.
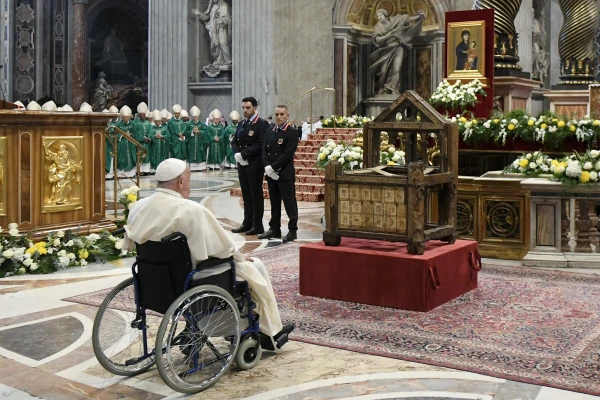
<point x="254" y="201"/>
<point x="286" y="191"/>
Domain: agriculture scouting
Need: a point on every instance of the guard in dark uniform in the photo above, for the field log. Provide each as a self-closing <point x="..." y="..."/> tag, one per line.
<point x="247" y="146"/>
<point x="278" y="157"/>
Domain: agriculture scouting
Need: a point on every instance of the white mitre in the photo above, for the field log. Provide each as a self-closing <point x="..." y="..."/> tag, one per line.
<point x="235" y="116"/>
<point x="33" y="106"/>
<point x="85" y="107"/>
<point x="156" y="115"/>
<point x="176" y="108"/>
<point x="184" y="114"/>
<point x="113" y="109"/>
<point x="125" y="111"/>
<point x="195" y="111"/>
<point x="170" y="169"/>
<point x="142" y="108"/>
<point x="67" y="107"/>
<point x="105" y="110"/>
<point x="19" y="104"/>
<point x="216" y="114"/>
<point x="49" y="106"/>
<point x="164" y="114"/>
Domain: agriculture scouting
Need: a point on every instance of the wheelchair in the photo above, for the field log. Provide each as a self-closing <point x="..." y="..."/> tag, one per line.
<point x="192" y="322"/>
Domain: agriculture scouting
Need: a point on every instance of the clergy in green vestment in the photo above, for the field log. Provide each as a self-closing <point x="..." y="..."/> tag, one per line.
<point x="230" y="131"/>
<point x="144" y="126"/>
<point x="160" y="143"/>
<point x="126" y="151"/>
<point x="178" y="134"/>
<point x="196" y="142"/>
<point x="214" y="137"/>
<point x="109" y="149"/>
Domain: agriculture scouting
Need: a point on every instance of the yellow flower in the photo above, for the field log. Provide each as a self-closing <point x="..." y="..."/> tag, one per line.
<point x="83" y="254"/>
<point x="40" y="244"/>
<point x="585" y="177"/>
<point x="554" y="120"/>
<point x="322" y="156"/>
<point x="555" y="163"/>
<point x="530" y="122"/>
<point x="132" y="197"/>
<point x="31" y="250"/>
<point x="463" y="119"/>
<point x="572" y="128"/>
<point x="561" y="124"/>
<point x="391" y="163"/>
<point x="596" y="123"/>
<point x="523" y="163"/>
<point x="543" y="126"/>
<point x="42" y="250"/>
<point x="511" y="127"/>
<point x="496" y="121"/>
<point x="562" y="164"/>
<point x="474" y="122"/>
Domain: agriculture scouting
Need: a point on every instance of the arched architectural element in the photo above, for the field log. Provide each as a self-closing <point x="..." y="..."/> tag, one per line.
<point x="353" y="21"/>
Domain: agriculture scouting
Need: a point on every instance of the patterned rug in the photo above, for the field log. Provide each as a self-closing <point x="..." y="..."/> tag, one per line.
<point x="523" y="324"/>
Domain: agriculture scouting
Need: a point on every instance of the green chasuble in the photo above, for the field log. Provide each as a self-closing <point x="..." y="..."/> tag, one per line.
<point x="214" y="136"/>
<point x="229" y="132"/>
<point x="160" y="147"/>
<point x="196" y="142"/>
<point x="178" y="146"/>
<point x="144" y="130"/>
<point x="109" y="146"/>
<point x="127" y="153"/>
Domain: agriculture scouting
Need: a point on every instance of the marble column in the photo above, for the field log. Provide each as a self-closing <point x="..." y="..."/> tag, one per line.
<point x="80" y="64"/>
<point x="168" y="53"/>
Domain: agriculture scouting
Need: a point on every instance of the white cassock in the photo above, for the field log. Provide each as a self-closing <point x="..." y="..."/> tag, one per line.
<point x="317" y="125"/>
<point x="305" y="130"/>
<point x="166" y="212"/>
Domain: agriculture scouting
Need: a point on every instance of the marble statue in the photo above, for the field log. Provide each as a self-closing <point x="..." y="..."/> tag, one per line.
<point x="391" y="36"/>
<point x="102" y="92"/>
<point x="541" y="57"/>
<point x="113" y="51"/>
<point x="217" y="19"/>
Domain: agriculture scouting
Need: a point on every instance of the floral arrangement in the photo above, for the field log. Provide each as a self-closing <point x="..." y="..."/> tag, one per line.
<point x="59" y="250"/>
<point x="355" y="121"/>
<point x="351" y="156"/>
<point x="129" y="197"/>
<point x="458" y="95"/>
<point x="577" y="168"/>
<point x="547" y="129"/>
<point x="391" y="156"/>
<point x="530" y="164"/>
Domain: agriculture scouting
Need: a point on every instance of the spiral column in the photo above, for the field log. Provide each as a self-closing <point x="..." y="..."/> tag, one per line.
<point x="506" y="43"/>
<point x="576" y="41"/>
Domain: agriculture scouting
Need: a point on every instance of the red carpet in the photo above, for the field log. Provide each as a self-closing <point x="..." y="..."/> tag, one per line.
<point x="524" y="324"/>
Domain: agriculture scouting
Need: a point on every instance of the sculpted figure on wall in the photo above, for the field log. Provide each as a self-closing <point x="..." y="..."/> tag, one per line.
<point x="392" y="36"/>
<point x="64" y="174"/>
<point x="541" y="57"/>
<point x="217" y="19"/>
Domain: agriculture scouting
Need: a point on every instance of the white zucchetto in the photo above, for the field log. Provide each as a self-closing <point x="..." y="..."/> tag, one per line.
<point x="170" y="169"/>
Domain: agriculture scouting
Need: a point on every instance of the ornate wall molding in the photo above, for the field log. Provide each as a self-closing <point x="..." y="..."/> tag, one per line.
<point x="25" y="56"/>
<point x="59" y="51"/>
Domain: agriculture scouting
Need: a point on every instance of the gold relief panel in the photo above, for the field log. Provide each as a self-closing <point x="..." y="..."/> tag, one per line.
<point x="2" y="176"/>
<point x="62" y="173"/>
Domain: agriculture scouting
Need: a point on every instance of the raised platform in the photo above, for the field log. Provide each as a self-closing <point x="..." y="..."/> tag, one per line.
<point x="384" y="274"/>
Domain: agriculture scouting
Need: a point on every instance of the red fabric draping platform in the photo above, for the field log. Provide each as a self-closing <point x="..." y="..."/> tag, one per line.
<point x="384" y="274"/>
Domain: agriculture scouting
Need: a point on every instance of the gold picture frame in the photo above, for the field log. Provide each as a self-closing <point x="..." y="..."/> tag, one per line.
<point x="465" y="50"/>
<point x="3" y="176"/>
<point x="62" y="173"/>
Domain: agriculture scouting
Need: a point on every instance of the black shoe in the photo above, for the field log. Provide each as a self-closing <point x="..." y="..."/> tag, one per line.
<point x="270" y="234"/>
<point x="282" y="337"/>
<point x="290" y="237"/>
<point x="241" y="229"/>
<point x="254" y="231"/>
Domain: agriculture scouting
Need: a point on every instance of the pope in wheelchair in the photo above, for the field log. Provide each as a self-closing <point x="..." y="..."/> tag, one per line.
<point x="217" y="305"/>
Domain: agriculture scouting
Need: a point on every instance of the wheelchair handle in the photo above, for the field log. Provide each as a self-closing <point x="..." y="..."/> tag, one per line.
<point x="172" y="236"/>
<point x="118" y="232"/>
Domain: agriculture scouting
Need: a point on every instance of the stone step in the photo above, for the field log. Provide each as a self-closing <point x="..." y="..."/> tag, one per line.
<point x="300" y="196"/>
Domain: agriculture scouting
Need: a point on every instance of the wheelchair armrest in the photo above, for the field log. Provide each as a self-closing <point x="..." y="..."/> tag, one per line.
<point x="172" y="236"/>
<point x="212" y="262"/>
<point x="118" y="232"/>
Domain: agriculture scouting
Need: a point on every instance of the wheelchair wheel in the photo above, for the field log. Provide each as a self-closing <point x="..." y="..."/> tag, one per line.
<point x="199" y="336"/>
<point x="118" y="337"/>
<point x="248" y="354"/>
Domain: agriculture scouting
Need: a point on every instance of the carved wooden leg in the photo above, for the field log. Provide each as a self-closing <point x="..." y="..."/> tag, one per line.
<point x="332" y="240"/>
<point x="417" y="248"/>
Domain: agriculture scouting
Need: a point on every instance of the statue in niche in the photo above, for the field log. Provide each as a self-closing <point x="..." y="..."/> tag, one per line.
<point x="541" y="58"/>
<point x="391" y="36"/>
<point x="102" y="92"/>
<point x="113" y="51"/>
<point x="217" y="19"/>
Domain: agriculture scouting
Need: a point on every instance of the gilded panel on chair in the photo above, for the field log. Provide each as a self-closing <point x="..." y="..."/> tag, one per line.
<point x="2" y="176"/>
<point x="62" y="172"/>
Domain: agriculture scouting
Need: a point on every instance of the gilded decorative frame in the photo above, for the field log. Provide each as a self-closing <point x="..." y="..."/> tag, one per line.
<point x="62" y="174"/>
<point x="3" y="176"/>
<point x="454" y="39"/>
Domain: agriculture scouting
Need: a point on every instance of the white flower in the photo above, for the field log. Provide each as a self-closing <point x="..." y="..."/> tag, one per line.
<point x="83" y="263"/>
<point x="112" y="238"/>
<point x="125" y="192"/>
<point x="593" y="175"/>
<point x="594" y="153"/>
<point x="341" y="160"/>
<point x="62" y="253"/>
<point x="26" y="256"/>
<point x="63" y="261"/>
<point x="516" y="163"/>
<point x="69" y="243"/>
<point x="487" y="125"/>
<point x="134" y="189"/>
<point x="514" y="121"/>
<point x="545" y="168"/>
<point x="552" y="129"/>
<point x="598" y="166"/>
<point x="8" y="253"/>
<point x="532" y="165"/>
<point x="588" y="165"/>
<point x="50" y="250"/>
<point x="573" y="169"/>
<point x="119" y="244"/>
<point x="60" y="234"/>
<point x="19" y="251"/>
<point x="71" y="256"/>
<point x="528" y="156"/>
<point x="560" y="169"/>
<point x="553" y="168"/>
<point x="539" y="161"/>
<point x="22" y="270"/>
<point x="33" y="266"/>
<point x="56" y="242"/>
<point x="28" y="262"/>
<point x="123" y="253"/>
<point x="13" y="232"/>
<point x="93" y="237"/>
<point x="13" y="225"/>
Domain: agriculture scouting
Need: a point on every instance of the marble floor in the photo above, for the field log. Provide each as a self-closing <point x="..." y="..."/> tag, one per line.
<point x="46" y="350"/>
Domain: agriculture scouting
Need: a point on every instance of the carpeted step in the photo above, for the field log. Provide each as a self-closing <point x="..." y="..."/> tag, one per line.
<point x="300" y="196"/>
<point x="305" y="156"/>
<point x="305" y="163"/>
<point x="310" y="179"/>
<point x="310" y="171"/>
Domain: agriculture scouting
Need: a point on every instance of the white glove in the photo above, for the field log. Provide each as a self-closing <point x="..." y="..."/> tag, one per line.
<point x="274" y="176"/>
<point x="244" y="163"/>
<point x="269" y="170"/>
<point x="238" y="157"/>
